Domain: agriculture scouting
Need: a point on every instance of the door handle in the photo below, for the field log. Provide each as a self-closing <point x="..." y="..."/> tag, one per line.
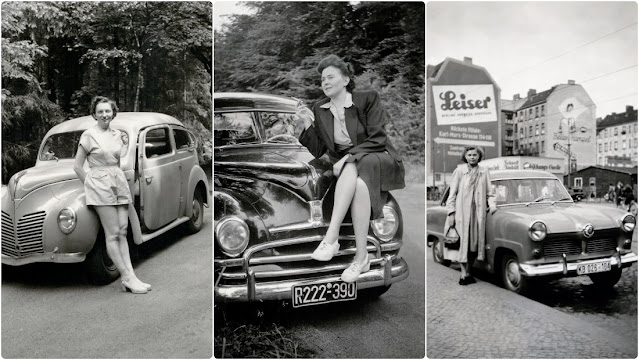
<point x="148" y="179"/>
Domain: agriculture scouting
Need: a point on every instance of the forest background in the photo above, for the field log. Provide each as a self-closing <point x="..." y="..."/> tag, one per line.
<point x="56" y="56"/>
<point x="275" y="49"/>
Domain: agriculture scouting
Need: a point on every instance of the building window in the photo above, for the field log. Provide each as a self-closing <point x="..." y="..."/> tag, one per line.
<point x="537" y="129"/>
<point x="623" y="144"/>
<point x="543" y="146"/>
<point x="530" y="133"/>
<point x="600" y="147"/>
<point x="537" y="147"/>
<point x="521" y="132"/>
<point x="635" y="129"/>
<point x="599" y="162"/>
<point x="623" y="130"/>
<point x="615" y="142"/>
<point x="542" y="110"/>
<point x="606" y="133"/>
<point x="536" y="111"/>
<point x="635" y="143"/>
<point x="543" y="127"/>
<point x="606" y="147"/>
<point x="616" y="131"/>
<point x="530" y="113"/>
<point x="579" y="182"/>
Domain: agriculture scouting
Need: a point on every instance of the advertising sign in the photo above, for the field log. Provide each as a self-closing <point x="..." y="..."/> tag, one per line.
<point x="465" y="115"/>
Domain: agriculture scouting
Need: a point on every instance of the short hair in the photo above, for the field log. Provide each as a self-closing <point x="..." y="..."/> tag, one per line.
<point x="345" y="68"/>
<point x="103" y="99"/>
<point x="468" y="148"/>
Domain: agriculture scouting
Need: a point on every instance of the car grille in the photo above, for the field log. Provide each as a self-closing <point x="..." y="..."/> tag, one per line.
<point x="291" y="259"/>
<point x="604" y="241"/>
<point x="26" y="238"/>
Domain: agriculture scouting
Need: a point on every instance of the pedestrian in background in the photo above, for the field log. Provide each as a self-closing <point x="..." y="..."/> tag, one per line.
<point x="106" y="187"/>
<point x="349" y="126"/>
<point x="619" y="194"/>
<point x="471" y="197"/>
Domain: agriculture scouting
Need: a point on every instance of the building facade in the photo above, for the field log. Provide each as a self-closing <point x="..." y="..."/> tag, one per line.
<point x="617" y="139"/>
<point x="557" y="122"/>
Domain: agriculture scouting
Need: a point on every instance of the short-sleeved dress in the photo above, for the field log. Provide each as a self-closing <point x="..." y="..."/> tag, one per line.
<point x="105" y="183"/>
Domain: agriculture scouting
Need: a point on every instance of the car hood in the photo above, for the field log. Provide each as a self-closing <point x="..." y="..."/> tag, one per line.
<point x="562" y="217"/>
<point x="25" y="181"/>
<point x="292" y="167"/>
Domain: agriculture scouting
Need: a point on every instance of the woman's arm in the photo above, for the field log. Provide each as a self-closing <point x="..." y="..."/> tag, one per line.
<point x="78" y="166"/>
<point x="451" y="202"/>
<point x="309" y="137"/>
<point x="125" y="143"/>
<point x="375" y="121"/>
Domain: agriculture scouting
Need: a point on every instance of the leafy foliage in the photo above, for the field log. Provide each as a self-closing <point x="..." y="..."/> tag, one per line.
<point x="56" y="56"/>
<point x="277" y="48"/>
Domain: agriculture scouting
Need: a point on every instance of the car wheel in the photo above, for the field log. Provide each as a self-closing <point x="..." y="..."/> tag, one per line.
<point x="197" y="217"/>
<point x="100" y="268"/>
<point x="438" y="253"/>
<point x="511" y="276"/>
<point x="606" y="280"/>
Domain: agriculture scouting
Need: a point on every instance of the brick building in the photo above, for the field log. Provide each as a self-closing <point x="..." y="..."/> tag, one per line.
<point x="598" y="178"/>
<point x="617" y="139"/>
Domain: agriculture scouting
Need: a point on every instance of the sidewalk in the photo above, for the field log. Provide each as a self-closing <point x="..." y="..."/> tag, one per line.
<point x="485" y="321"/>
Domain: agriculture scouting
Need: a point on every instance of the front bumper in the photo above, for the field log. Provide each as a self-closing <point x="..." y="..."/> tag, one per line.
<point x="570" y="268"/>
<point x="45" y="257"/>
<point x="385" y="275"/>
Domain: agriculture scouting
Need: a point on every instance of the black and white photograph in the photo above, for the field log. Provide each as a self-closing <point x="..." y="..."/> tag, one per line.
<point x="531" y="178"/>
<point x="106" y="180"/>
<point x="319" y="197"/>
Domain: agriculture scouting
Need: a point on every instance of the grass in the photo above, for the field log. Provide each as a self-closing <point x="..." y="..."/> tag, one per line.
<point x="254" y="335"/>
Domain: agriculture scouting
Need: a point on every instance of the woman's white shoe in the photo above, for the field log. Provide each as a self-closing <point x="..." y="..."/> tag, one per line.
<point x="355" y="269"/>
<point x="133" y="287"/>
<point x="325" y="251"/>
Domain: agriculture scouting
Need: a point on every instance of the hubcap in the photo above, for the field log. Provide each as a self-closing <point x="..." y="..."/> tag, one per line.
<point x="512" y="273"/>
<point x="196" y="213"/>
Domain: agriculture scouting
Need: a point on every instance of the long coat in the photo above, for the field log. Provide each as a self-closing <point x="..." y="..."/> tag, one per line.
<point x="365" y="125"/>
<point x="459" y="202"/>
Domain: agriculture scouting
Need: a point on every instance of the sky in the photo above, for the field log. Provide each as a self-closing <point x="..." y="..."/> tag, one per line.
<point x="223" y="8"/>
<point x="536" y="45"/>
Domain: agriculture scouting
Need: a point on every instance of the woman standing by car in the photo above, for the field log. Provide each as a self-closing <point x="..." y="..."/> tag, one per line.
<point x="349" y="126"/>
<point x="471" y="195"/>
<point x="106" y="188"/>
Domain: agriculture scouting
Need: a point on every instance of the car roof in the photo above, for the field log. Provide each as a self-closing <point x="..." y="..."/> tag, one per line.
<point x="132" y="122"/>
<point x="236" y="101"/>
<point x="520" y="174"/>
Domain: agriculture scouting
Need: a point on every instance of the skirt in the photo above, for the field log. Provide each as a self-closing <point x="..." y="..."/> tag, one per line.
<point x="106" y="185"/>
<point x="368" y="169"/>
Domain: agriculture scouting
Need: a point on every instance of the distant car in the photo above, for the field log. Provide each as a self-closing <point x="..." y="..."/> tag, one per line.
<point x="273" y="203"/>
<point x="576" y="193"/>
<point x="44" y="213"/>
<point x="539" y="232"/>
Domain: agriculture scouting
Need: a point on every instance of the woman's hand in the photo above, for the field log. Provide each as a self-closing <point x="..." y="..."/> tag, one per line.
<point x="492" y="209"/>
<point x="337" y="167"/>
<point x="305" y="114"/>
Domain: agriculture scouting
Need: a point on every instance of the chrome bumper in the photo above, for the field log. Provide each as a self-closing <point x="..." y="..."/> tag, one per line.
<point x="281" y="290"/>
<point x="564" y="267"/>
<point x="46" y="257"/>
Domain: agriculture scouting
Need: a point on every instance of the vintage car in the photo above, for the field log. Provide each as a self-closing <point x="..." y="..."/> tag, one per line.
<point x="272" y="204"/>
<point x="540" y="232"/>
<point x="44" y="214"/>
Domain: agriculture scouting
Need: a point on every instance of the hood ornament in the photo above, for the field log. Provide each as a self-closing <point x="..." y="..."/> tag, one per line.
<point x="589" y="230"/>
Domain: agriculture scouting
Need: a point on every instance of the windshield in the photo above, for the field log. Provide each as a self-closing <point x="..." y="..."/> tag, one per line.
<point x="529" y="190"/>
<point x="281" y="127"/>
<point x="60" y="146"/>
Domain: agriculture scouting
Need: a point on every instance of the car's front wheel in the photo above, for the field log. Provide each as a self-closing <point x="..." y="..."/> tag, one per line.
<point x="100" y="268"/>
<point x="438" y="253"/>
<point x="197" y="217"/>
<point x="606" y="280"/>
<point x="511" y="276"/>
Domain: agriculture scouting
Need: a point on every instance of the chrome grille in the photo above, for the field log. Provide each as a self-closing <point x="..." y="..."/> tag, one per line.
<point x="572" y="246"/>
<point x="26" y="239"/>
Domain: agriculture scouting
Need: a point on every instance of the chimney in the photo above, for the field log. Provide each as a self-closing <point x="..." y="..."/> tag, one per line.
<point x="531" y="92"/>
<point x="468" y="60"/>
<point x="571" y="82"/>
<point x="516" y="97"/>
<point x="629" y="109"/>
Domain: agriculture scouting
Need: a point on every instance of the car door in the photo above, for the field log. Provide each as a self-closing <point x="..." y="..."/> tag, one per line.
<point x="186" y="154"/>
<point x="160" y="198"/>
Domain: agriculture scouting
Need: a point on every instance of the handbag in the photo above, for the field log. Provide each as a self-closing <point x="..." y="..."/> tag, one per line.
<point x="451" y="239"/>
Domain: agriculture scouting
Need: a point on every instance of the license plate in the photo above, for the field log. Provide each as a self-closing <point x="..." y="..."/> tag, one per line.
<point x="324" y="292"/>
<point x="593" y="268"/>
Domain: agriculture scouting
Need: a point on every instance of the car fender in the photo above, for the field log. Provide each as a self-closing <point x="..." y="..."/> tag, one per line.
<point x="196" y="177"/>
<point x="228" y="202"/>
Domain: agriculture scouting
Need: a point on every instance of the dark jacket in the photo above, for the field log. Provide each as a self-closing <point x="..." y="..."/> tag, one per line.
<point x="365" y="122"/>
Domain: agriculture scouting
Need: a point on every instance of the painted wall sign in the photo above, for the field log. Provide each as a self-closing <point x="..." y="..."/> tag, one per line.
<point x="464" y="104"/>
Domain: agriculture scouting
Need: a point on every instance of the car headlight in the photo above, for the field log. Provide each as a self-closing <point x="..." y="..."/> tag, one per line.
<point x="385" y="228"/>
<point x="67" y="220"/>
<point x="628" y="223"/>
<point x="537" y="231"/>
<point x="232" y="235"/>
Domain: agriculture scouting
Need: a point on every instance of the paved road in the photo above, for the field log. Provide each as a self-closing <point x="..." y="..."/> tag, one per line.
<point x="389" y="327"/>
<point x="50" y="311"/>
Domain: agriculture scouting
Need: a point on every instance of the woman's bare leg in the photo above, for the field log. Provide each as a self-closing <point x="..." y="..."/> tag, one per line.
<point x="110" y="223"/>
<point x="344" y="192"/>
<point x="123" y="223"/>
<point x="361" y="214"/>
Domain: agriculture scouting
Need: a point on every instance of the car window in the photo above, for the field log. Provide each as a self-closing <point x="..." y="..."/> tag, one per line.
<point x="60" y="146"/>
<point x="233" y="128"/>
<point x="182" y="139"/>
<point x="278" y="125"/>
<point x="157" y="143"/>
<point x="527" y="190"/>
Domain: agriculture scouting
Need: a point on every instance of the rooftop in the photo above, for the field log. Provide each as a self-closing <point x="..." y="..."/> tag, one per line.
<point x="614" y="119"/>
